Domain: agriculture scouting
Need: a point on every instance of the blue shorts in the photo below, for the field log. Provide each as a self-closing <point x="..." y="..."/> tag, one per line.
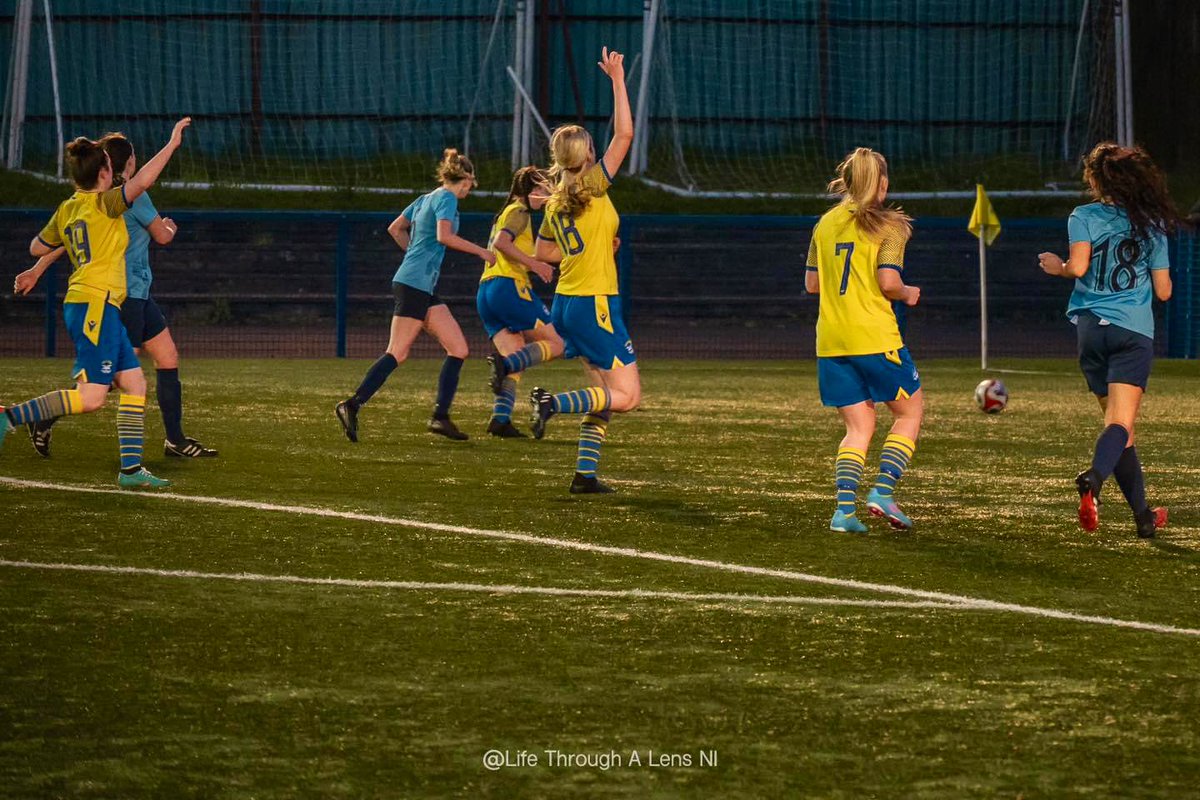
<point x="1112" y="354"/>
<point x="98" y="362"/>
<point x="505" y="306"/>
<point x="143" y="320"/>
<point x="880" y="377"/>
<point x="593" y="326"/>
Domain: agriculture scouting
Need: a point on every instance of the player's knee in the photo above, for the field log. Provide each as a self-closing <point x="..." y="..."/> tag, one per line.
<point x="167" y="361"/>
<point x="458" y="350"/>
<point x="398" y="353"/>
<point x="92" y="401"/>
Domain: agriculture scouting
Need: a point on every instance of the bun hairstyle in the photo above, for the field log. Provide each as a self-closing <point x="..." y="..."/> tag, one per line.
<point x="859" y="178"/>
<point x="1129" y="178"/>
<point x="571" y="149"/>
<point x="86" y="159"/>
<point x="119" y="150"/>
<point x="454" y="167"/>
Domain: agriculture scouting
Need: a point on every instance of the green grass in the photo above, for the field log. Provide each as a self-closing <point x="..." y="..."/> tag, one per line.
<point x="139" y="686"/>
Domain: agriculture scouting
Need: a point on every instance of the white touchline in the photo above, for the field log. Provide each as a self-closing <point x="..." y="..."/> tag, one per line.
<point x="625" y="552"/>
<point x="482" y="588"/>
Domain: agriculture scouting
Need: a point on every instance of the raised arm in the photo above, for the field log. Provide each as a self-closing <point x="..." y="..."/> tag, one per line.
<point x="1076" y="265"/>
<point x="148" y="174"/>
<point x="613" y="65"/>
<point x="28" y="279"/>
<point x="447" y="236"/>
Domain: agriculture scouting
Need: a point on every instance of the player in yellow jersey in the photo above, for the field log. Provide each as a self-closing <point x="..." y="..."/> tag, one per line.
<point x="578" y="231"/>
<point x="512" y="314"/>
<point x="856" y="265"/>
<point x="89" y="225"/>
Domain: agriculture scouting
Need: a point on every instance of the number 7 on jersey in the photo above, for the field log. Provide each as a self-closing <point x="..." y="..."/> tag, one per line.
<point x="837" y="251"/>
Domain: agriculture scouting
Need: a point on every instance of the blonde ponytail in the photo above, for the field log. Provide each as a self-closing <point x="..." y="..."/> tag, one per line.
<point x="571" y="151"/>
<point x="859" y="179"/>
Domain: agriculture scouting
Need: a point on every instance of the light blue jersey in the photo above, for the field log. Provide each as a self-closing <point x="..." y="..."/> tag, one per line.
<point x="137" y="253"/>
<point x="1117" y="286"/>
<point x="422" y="264"/>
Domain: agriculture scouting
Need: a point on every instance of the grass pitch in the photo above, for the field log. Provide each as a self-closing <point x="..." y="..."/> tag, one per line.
<point x="138" y="685"/>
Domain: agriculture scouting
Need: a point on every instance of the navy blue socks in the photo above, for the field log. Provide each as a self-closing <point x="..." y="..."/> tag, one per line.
<point x="447" y="386"/>
<point x="1109" y="447"/>
<point x="374" y="379"/>
<point x="170" y="402"/>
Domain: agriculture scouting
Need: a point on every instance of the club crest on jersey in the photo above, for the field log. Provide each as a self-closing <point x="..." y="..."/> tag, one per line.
<point x="106" y="367"/>
<point x="629" y="346"/>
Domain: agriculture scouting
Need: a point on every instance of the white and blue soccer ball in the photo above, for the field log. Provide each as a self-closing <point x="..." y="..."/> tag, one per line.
<point x="991" y="396"/>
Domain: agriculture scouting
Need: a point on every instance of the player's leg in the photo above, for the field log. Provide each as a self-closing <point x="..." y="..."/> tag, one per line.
<point x="894" y="375"/>
<point x="593" y="429"/>
<point x="524" y="313"/>
<point x="157" y="341"/>
<point x="596" y="331"/>
<point x="131" y="413"/>
<point x="851" y="462"/>
<point x="501" y="425"/>
<point x="442" y="326"/>
<point x="408" y="318"/>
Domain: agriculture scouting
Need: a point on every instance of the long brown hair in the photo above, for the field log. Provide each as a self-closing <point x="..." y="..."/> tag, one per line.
<point x="454" y="166"/>
<point x="859" y="178"/>
<point x="1129" y="178"/>
<point x="524" y="181"/>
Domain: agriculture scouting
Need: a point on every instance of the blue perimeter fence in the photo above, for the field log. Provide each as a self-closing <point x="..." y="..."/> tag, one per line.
<point x="318" y="284"/>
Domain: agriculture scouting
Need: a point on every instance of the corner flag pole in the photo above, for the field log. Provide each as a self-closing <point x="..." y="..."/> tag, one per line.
<point x="983" y="306"/>
<point x="986" y="226"/>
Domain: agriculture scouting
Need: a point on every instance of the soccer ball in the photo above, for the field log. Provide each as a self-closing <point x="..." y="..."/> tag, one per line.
<point x="991" y="396"/>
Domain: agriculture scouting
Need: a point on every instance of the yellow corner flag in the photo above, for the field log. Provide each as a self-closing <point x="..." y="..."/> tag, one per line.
<point x="984" y="215"/>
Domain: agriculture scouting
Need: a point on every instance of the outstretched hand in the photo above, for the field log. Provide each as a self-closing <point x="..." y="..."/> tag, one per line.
<point x="177" y="133"/>
<point x="613" y="64"/>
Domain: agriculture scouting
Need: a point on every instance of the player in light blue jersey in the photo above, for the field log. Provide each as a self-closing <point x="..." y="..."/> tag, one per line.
<point x="424" y="230"/>
<point x="141" y="316"/>
<point x="1119" y="264"/>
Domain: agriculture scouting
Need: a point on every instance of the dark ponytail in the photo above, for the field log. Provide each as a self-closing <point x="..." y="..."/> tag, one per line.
<point x="524" y="181"/>
<point x="85" y="159"/>
<point x="1129" y="178"/>
<point x="119" y="150"/>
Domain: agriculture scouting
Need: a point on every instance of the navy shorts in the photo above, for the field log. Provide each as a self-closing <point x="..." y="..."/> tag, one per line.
<point x="879" y="377"/>
<point x="592" y="327"/>
<point x="143" y="320"/>
<point x="505" y="305"/>
<point x="102" y="347"/>
<point x="1112" y="354"/>
<point x="412" y="302"/>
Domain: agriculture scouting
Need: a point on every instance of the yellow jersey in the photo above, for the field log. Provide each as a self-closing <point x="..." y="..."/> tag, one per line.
<point x="855" y="319"/>
<point x="588" y="265"/>
<point x="514" y="219"/>
<point x="89" y="224"/>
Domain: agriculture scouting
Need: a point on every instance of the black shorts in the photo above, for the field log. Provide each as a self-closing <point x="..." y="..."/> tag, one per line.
<point x="412" y="302"/>
<point x="143" y="320"/>
<point x="1112" y="354"/>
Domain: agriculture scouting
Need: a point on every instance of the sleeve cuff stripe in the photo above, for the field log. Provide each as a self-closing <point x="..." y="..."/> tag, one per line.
<point x="509" y="232"/>
<point x="810" y="269"/>
<point x="604" y="169"/>
<point x="51" y="246"/>
<point x="125" y="197"/>
<point x="891" y="266"/>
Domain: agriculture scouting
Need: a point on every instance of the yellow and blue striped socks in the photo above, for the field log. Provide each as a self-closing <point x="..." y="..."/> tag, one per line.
<point x="591" y="437"/>
<point x="131" y="430"/>
<point x="848" y="472"/>
<point x="593" y="399"/>
<point x="897" y="452"/>
<point x="502" y="407"/>
<point x="530" y="355"/>
<point x="49" y="406"/>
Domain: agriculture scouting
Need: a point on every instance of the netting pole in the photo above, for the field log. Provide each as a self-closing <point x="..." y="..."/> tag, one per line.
<point x="487" y="54"/>
<point x="983" y="306"/>
<point x="58" y="125"/>
<point x="637" y="164"/>
<point x="1127" y="71"/>
<point x="51" y="282"/>
<point x="18" y="81"/>
<point x="1074" y="83"/>
<point x="341" y="289"/>
<point x="518" y="67"/>
<point x="526" y="56"/>
<point x="1124" y="102"/>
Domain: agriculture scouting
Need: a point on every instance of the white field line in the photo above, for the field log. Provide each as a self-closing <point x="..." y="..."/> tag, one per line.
<point x="482" y="588"/>
<point x="624" y="552"/>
